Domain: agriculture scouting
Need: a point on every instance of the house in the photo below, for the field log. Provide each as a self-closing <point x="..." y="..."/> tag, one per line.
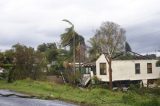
<point x="128" y="70"/>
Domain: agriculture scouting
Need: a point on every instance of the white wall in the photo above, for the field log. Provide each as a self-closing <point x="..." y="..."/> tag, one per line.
<point x="125" y="70"/>
<point x="101" y="59"/>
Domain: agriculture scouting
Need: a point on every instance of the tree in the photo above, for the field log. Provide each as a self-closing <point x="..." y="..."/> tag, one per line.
<point x="94" y="50"/>
<point x="42" y="47"/>
<point x="127" y="47"/>
<point x="39" y="66"/>
<point x="28" y="63"/>
<point x="112" y="41"/>
<point x="45" y="46"/>
<point x="76" y="43"/>
<point x="68" y="38"/>
<point x="24" y="60"/>
<point x="51" y="55"/>
<point x="72" y="39"/>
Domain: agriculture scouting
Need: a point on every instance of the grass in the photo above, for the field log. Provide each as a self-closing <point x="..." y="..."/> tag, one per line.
<point x="95" y="96"/>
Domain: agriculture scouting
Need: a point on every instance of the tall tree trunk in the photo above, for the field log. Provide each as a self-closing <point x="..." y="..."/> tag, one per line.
<point x="79" y="59"/>
<point x="74" y="56"/>
<point x="110" y="73"/>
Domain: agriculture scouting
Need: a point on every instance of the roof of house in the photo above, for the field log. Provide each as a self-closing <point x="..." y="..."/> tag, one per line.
<point x="89" y="64"/>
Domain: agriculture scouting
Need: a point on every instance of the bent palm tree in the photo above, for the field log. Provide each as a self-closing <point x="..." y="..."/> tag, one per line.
<point x="68" y="35"/>
<point x="72" y="39"/>
<point x="67" y="39"/>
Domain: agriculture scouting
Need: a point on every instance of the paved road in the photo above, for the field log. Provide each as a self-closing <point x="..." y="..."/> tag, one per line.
<point x="16" y="101"/>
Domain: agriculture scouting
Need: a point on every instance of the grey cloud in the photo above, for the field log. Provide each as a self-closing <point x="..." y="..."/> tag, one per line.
<point x="145" y="37"/>
<point x="32" y="22"/>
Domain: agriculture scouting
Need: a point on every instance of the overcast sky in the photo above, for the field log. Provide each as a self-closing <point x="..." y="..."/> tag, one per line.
<point x="32" y="22"/>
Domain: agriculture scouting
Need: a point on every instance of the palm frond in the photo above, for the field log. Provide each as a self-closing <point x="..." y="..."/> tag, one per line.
<point x="67" y="21"/>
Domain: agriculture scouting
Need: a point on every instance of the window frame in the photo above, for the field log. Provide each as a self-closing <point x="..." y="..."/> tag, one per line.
<point x="149" y="68"/>
<point x="104" y="69"/>
<point x="137" y="69"/>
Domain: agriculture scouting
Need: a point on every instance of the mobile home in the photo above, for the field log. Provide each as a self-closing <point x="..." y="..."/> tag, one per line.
<point x="128" y="70"/>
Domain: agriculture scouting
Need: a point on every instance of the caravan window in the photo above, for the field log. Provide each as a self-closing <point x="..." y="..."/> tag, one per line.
<point x="149" y="67"/>
<point x="103" y="69"/>
<point x="137" y="68"/>
<point x="158" y="63"/>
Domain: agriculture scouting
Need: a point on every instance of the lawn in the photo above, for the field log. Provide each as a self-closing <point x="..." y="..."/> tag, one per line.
<point x="94" y="96"/>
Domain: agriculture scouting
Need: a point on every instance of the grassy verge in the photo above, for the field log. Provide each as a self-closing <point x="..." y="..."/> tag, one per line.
<point x="96" y="96"/>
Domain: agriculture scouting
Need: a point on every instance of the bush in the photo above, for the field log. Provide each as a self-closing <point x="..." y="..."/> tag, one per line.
<point x="136" y="88"/>
<point x="96" y="80"/>
<point x="97" y="83"/>
<point x="158" y="82"/>
<point x="128" y="98"/>
<point x="72" y="77"/>
<point x="4" y="75"/>
<point x="155" y="91"/>
<point x="53" y="70"/>
<point x="153" y="102"/>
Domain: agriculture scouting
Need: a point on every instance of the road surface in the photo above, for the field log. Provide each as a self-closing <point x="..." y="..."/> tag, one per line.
<point x="17" y="101"/>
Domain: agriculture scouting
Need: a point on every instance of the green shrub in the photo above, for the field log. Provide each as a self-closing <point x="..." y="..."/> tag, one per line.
<point x="128" y="98"/>
<point x="153" y="102"/>
<point x="97" y="83"/>
<point x="155" y="91"/>
<point x="4" y="75"/>
<point x="72" y="77"/>
<point x="158" y="82"/>
<point x="95" y="80"/>
<point x="134" y="87"/>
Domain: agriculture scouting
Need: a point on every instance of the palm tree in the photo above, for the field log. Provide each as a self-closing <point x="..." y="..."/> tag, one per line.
<point x="68" y="38"/>
<point x="72" y="39"/>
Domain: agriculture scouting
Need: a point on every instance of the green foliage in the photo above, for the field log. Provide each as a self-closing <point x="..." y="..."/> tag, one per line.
<point x="42" y="47"/>
<point x="72" y="78"/>
<point x="9" y="56"/>
<point x="1" y="57"/>
<point x="134" y="87"/>
<point x="96" y="80"/>
<point x="128" y="98"/>
<point x="22" y="62"/>
<point x="72" y="39"/>
<point x="155" y="91"/>
<point x="51" y="55"/>
<point x="158" y="82"/>
<point x="54" y="57"/>
<point x="4" y="75"/>
<point x="49" y="50"/>
<point x="54" y="70"/>
<point x="45" y="46"/>
<point x="152" y="102"/>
